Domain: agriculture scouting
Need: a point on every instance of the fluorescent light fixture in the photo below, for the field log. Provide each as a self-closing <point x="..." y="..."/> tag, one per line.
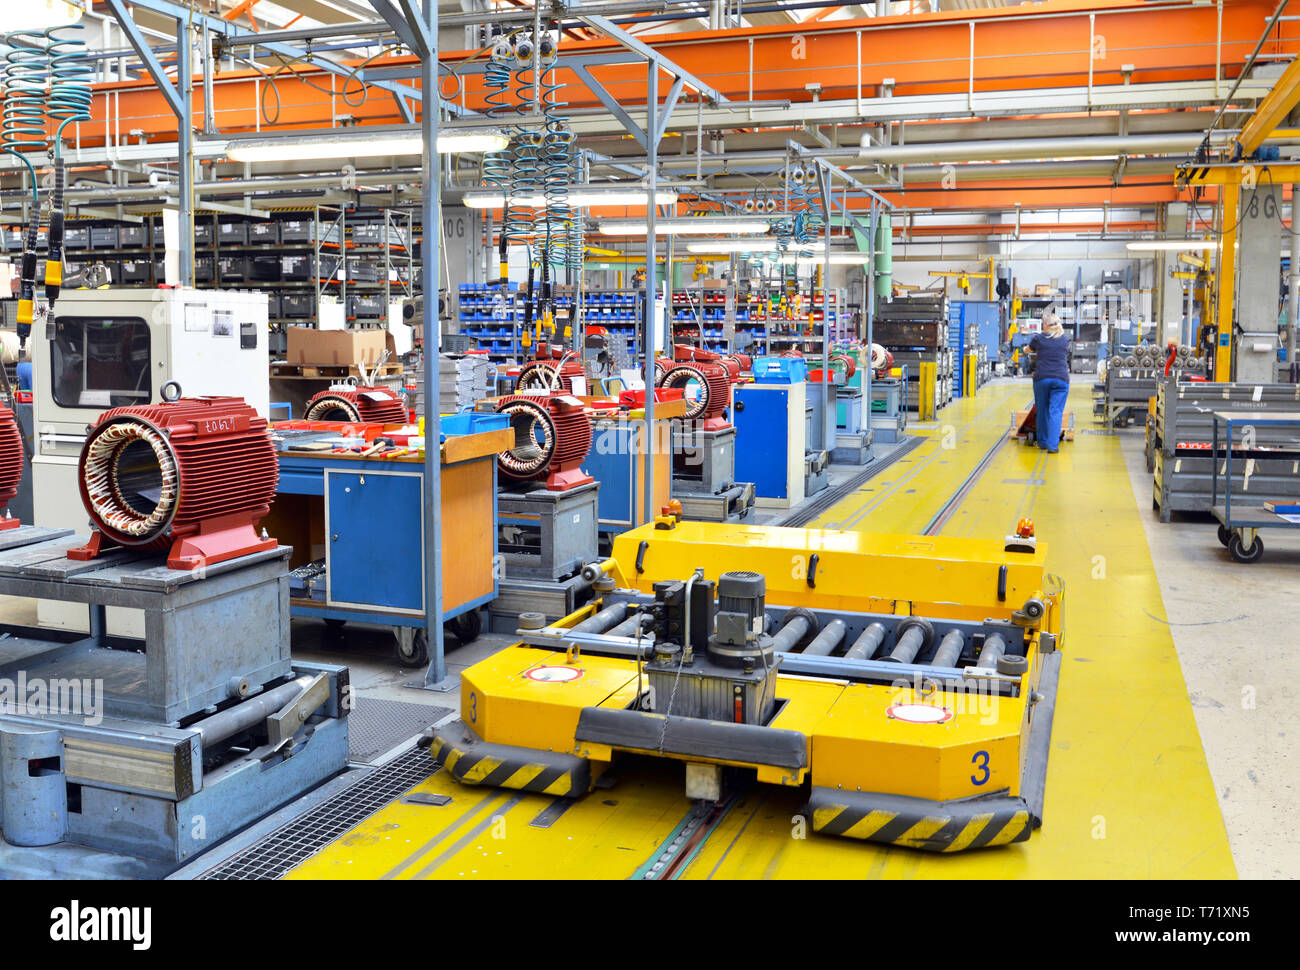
<point x="578" y="198"/>
<point x="363" y="145"/>
<point x="457" y="140"/>
<point x="765" y="245"/>
<point x="1151" y="245"/>
<point x="836" y="259"/>
<point x="681" y="227"/>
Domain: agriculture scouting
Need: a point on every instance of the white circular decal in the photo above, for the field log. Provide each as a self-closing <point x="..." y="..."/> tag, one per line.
<point x="920" y="713"/>
<point x="553" y="674"/>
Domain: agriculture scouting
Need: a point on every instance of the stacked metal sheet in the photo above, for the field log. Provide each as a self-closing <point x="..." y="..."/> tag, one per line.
<point x="914" y="328"/>
<point x="462" y="381"/>
<point x="1183" y="432"/>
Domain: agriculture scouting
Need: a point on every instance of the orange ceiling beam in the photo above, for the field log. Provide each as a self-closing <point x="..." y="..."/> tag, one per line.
<point x="1036" y="194"/>
<point x="1015" y="48"/>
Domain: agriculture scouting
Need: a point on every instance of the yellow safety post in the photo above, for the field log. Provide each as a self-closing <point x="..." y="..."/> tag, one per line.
<point x="927" y="381"/>
<point x="1228" y="273"/>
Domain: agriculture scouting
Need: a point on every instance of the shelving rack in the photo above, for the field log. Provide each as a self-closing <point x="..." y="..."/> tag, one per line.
<point x="494" y="318"/>
<point x="302" y="259"/>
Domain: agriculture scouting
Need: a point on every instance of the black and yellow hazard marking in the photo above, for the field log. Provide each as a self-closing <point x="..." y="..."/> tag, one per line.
<point x="919" y="823"/>
<point x="473" y="761"/>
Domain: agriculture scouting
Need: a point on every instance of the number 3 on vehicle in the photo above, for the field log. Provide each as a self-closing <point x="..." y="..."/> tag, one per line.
<point x="981" y="762"/>
<point x="473" y="708"/>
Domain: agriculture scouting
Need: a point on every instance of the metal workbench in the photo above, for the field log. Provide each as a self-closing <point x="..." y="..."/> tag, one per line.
<point x="359" y="524"/>
<point x="1240" y="522"/>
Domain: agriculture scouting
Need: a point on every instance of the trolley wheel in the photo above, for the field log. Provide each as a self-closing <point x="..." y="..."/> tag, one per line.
<point x="467" y="626"/>
<point x="1224" y="535"/>
<point x="1243" y="553"/>
<point x="417" y="655"/>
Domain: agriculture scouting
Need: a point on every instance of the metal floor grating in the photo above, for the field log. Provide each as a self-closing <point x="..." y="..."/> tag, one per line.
<point x="275" y="855"/>
<point x="377" y="726"/>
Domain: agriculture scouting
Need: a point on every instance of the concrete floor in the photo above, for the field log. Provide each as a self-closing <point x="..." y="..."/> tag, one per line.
<point x="1241" y="660"/>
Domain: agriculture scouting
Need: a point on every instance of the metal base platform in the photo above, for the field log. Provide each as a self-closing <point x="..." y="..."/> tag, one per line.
<point x="547" y="535"/>
<point x="157" y="749"/>
<point x="852" y="449"/>
<point x="703" y="461"/>
<point x="731" y="504"/>
<point x="552" y="599"/>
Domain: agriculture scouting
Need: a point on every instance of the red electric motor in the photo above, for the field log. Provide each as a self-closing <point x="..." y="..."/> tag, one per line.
<point x="357" y="403"/>
<point x="11" y="463"/>
<point x="744" y="362"/>
<point x="711" y="397"/>
<point x="540" y="374"/>
<point x="192" y="476"/>
<point x="850" y="365"/>
<point x="732" y="363"/>
<point x="881" y="361"/>
<point x="552" y="437"/>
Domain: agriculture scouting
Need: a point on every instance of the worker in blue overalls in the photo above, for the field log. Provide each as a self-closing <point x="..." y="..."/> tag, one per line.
<point x="1051" y="381"/>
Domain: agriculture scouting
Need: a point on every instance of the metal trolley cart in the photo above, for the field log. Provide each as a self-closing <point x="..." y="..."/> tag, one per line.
<point x="357" y="522"/>
<point x="1240" y="522"/>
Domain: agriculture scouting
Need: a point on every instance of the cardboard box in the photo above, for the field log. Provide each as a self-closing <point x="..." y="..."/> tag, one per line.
<point x="339" y="348"/>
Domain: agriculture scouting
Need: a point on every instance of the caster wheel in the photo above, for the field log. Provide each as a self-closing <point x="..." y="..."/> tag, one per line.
<point x="467" y="626"/>
<point x="1243" y="553"/>
<point x="418" y="653"/>
<point x="1224" y="536"/>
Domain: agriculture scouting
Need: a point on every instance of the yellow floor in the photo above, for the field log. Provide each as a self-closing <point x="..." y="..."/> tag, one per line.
<point x="1129" y="793"/>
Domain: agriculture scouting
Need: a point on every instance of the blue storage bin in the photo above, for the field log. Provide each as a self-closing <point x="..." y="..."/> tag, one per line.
<point x="780" y="370"/>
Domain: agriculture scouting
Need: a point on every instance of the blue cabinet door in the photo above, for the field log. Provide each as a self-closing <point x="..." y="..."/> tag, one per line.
<point x="762" y="439"/>
<point x="374" y="539"/>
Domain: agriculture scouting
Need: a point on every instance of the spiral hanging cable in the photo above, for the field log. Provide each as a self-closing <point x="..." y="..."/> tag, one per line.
<point x="557" y="163"/>
<point x="497" y="165"/>
<point x="22" y="125"/>
<point x="70" y="73"/>
<point x="69" y="102"/>
<point x="22" y="129"/>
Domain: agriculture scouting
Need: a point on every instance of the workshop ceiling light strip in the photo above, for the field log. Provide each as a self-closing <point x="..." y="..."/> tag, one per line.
<point x="577" y="197"/>
<point x="1152" y="245"/>
<point x="683" y="227"/>
<point x="306" y="149"/>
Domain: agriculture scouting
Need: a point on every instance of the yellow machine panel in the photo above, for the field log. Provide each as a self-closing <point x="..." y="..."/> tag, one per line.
<point x="862" y="571"/>
<point x="532" y="698"/>
<point x="940" y="746"/>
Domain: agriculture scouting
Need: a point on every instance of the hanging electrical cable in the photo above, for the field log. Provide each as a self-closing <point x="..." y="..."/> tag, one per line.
<point x="22" y="129"/>
<point x="497" y="166"/>
<point x="69" y="101"/>
<point x="558" y="157"/>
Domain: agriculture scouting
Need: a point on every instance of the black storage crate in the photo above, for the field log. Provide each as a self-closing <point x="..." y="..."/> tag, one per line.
<point x="231" y="232"/>
<point x="76" y="237"/>
<point x="296" y="304"/>
<point x="203" y="269"/>
<point x="203" y="232"/>
<point x="365" y="271"/>
<point x="366" y="307"/>
<point x="135" y="271"/>
<point x="264" y="234"/>
<point x="264" y="269"/>
<point x="233" y="269"/>
<point x="133" y="236"/>
<point x="296" y="267"/>
<point x="103" y="237"/>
